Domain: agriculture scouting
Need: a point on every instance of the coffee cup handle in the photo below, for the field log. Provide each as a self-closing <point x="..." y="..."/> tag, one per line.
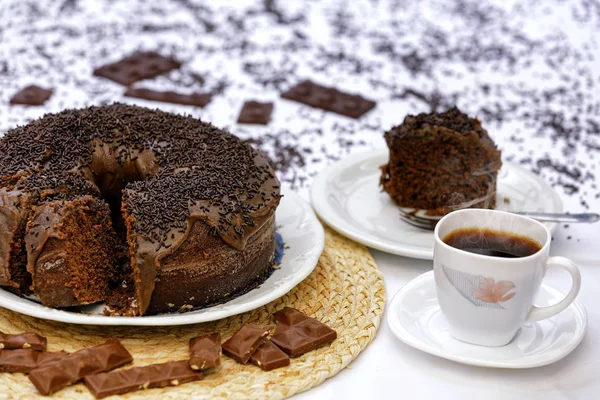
<point x="539" y="313"/>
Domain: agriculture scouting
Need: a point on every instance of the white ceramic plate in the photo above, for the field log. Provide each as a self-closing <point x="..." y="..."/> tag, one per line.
<point x="415" y="318"/>
<point x="347" y="196"/>
<point x="303" y="238"/>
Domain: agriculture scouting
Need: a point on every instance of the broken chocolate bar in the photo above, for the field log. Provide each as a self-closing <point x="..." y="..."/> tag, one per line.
<point x="254" y="112"/>
<point x="194" y="99"/>
<point x="24" y="360"/>
<point x="136" y="67"/>
<point x="244" y="343"/>
<point x="269" y="357"/>
<point x="205" y="352"/>
<point x="296" y="333"/>
<point x="171" y="373"/>
<point x="329" y="99"/>
<point x="54" y="376"/>
<point x="27" y="340"/>
<point x="31" y="96"/>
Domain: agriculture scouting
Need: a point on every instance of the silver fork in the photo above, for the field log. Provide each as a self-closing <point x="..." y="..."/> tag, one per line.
<point x="429" y="223"/>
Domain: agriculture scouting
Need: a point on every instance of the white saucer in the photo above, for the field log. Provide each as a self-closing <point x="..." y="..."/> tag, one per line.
<point x="347" y="196"/>
<point x="303" y="237"/>
<point x="415" y="318"/>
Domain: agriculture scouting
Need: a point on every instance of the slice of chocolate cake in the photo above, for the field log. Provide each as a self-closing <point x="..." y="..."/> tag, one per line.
<point x="14" y="212"/>
<point x="17" y="201"/>
<point x="441" y="162"/>
<point x="72" y="248"/>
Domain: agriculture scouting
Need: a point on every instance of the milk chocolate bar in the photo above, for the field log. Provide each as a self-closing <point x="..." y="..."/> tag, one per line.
<point x="205" y="352"/>
<point x="31" y="96"/>
<point x="254" y="112"/>
<point x="194" y="99"/>
<point x="144" y="65"/>
<point x="27" y="340"/>
<point x="54" y="376"/>
<point x="171" y="373"/>
<point x="24" y="360"/>
<point x="269" y="357"/>
<point x="296" y="333"/>
<point x="244" y="343"/>
<point x="329" y="99"/>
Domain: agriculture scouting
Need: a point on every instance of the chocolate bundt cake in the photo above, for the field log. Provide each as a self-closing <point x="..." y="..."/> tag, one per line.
<point x="439" y="162"/>
<point x="149" y="211"/>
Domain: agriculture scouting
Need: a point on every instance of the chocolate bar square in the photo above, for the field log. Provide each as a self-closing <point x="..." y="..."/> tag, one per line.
<point x="205" y="352"/>
<point x="171" y="373"/>
<point x="269" y="357"/>
<point x="31" y="96"/>
<point x="25" y="360"/>
<point x="296" y="333"/>
<point x="244" y="343"/>
<point x="50" y="378"/>
<point x="136" y="67"/>
<point x="254" y="112"/>
<point x="194" y="99"/>
<point x="27" y="340"/>
<point x="329" y="99"/>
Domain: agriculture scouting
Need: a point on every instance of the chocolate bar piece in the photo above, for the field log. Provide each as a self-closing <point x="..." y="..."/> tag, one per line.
<point x="171" y="373"/>
<point x="24" y="360"/>
<point x="205" y="352"/>
<point x="296" y="333"/>
<point x="269" y="357"/>
<point x="329" y="99"/>
<point x="52" y="377"/>
<point x="138" y="66"/>
<point x="194" y="99"/>
<point x="27" y="340"/>
<point x="244" y="343"/>
<point x="31" y="96"/>
<point x="254" y="112"/>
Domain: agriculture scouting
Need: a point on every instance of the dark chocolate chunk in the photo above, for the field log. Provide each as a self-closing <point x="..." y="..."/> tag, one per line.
<point x="194" y="99"/>
<point x="329" y="99"/>
<point x="24" y="360"/>
<point x="244" y="343"/>
<point x="136" y="67"/>
<point x="269" y="357"/>
<point x="31" y="96"/>
<point x="27" y="340"/>
<point x="52" y="377"/>
<point x="205" y="352"/>
<point x="254" y="112"/>
<point x="171" y="373"/>
<point x="296" y="333"/>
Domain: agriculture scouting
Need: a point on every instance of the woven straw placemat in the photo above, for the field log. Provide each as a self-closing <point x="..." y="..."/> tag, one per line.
<point x="345" y="291"/>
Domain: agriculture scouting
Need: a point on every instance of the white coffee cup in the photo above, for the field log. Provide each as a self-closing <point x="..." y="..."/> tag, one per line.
<point x="487" y="299"/>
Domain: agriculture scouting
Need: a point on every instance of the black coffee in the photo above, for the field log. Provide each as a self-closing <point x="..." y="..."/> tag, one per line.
<point x="489" y="242"/>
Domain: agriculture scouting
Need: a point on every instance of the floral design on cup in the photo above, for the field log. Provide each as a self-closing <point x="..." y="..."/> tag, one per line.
<point x="491" y="292"/>
<point x="479" y="290"/>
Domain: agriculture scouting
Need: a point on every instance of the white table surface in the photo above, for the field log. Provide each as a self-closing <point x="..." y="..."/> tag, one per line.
<point x="390" y="369"/>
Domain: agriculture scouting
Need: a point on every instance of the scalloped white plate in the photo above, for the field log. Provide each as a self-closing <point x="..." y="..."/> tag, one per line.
<point x="414" y="316"/>
<point x="303" y="238"/>
<point x="347" y="196"/>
